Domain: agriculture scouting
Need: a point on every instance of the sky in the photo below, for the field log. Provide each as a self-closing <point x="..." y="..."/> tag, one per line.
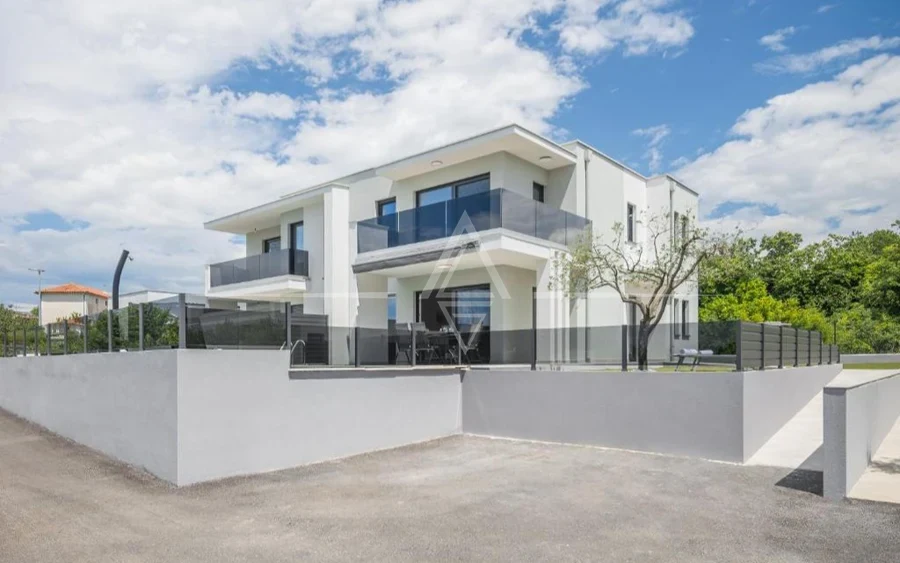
<point x="128" y="124"/>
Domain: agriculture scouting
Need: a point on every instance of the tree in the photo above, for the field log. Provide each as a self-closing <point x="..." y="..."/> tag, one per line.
<point x="646" y="274"/>
<point x="881" y="283"/>
<point x="751" y="302"/>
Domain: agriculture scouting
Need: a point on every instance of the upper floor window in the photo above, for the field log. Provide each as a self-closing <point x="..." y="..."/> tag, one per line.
<point x="630" y="220"/>
<point x="387" y="207"/>
<point x="537" y="192"/>
<point x="297" y="236"/>
<point x="460" y="188"/>
<point x="272" y="245"/>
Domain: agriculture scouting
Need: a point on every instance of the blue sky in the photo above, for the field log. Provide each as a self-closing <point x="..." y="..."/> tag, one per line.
<point x="128" y="126"/>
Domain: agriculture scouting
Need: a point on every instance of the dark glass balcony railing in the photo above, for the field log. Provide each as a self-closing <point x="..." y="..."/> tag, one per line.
<point x="495" y="209"/>
<point x="259" y="267"/>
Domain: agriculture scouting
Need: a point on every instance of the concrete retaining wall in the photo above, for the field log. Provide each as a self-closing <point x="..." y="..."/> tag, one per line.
<point x="858" y="417"/>
<point x="239" y="413"/>
<point x="725" y="416"/>
<point x="850" y="359"/>
<point x="773" y="397"/>
<point x="123" y="405"/>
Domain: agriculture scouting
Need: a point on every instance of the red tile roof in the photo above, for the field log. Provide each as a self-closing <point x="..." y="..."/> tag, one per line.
<point x="76" y="288"/>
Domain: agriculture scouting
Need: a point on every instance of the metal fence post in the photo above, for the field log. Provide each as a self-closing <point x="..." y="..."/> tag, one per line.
<point x="533" y="329"/>
<point x="412" y="331"/>
<point x="796" y="347"/>
<point x="356" y="346"/>
<point x="762" y="346"/>
<point x="287" y="332"/>
<point x="84" y="332"/>
<point x="49" y="352"/>
<point x="37" y="340"/>
<point x="821" y="352"/>
<point x="809" y="347"/>
<point x="65" y="337"/>
<point x="182" y="321"/>
<point x="624" y="347"/>
<point x="15" y="343"/>
<point x="109" y="331"/>
<point x="738" y="349"/>
<point x="140" y="326"/>
<point x="781" y="347"/>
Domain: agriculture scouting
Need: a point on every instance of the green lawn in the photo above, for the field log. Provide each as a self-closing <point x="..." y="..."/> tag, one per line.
<point x="893" y="365"/>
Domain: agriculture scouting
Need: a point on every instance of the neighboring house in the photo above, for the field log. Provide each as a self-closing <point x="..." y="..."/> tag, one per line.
<point x="368" y="248"/>
<point x="62" y="301"/>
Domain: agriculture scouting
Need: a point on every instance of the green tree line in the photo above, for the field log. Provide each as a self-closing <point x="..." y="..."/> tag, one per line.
<point x="846" y="286"/>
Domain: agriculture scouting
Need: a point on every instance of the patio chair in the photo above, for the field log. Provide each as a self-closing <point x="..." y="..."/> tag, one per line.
<point x="424" y="347"/>
<point x="470" y="348"/>
<point x="403" y="343"/>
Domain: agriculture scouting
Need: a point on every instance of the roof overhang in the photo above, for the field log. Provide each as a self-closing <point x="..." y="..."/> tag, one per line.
<point x="512" y="139"/>
<point x="268" y="214"/>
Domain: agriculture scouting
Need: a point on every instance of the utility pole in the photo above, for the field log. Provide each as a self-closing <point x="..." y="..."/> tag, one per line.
<point x="40" y="272"/>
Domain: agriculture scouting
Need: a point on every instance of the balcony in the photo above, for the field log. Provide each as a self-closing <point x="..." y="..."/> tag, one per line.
<point x="495" y="209"/>
<point x="260" y="267"/>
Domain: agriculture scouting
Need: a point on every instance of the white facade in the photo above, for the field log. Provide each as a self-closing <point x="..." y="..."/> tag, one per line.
<point x="354" y="265"/>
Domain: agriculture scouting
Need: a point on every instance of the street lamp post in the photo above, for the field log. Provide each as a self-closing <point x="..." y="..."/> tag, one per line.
<point x="40" y="272"/>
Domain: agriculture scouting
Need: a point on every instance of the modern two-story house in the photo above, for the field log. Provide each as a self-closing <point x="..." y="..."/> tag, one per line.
<point x="463" y="238"/>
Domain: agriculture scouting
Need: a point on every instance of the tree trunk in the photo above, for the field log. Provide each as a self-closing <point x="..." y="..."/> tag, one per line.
<point x="642" y="345"/>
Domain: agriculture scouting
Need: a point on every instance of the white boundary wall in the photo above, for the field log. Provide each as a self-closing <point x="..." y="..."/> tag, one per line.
<point x="123" y="405"/>
<point x="239" y="413"/>
<point x="858" y="417"/>
<point x="723" y="416"/>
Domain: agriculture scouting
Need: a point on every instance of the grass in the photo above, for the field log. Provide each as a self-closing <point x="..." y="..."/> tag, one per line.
<point x="889" y="365"/>
<point x="700" y="368"/>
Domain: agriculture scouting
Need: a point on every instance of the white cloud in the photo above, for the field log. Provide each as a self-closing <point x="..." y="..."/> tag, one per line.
<point x="775" y="41"/>
<point x="655" y="136"/>
<point x="843" y="51"/>
<point x="826" y="150"/>
<point x="825" y="8"/>
<point x="594" y="26"/>
<point x="111" y="113"/>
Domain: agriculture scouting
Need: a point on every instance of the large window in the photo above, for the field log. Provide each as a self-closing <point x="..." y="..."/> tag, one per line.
<point x="392" y="307"/>
<point x="272" y="245"/>
<point x="297" y="236"/>
<point x="685" y="333"/>
<point x="630" y="222"/>
<point x="461" y="188"/>
<point x="537" y="192"/>
<point x="456" y="307"/>
<point x="387" y="207"/>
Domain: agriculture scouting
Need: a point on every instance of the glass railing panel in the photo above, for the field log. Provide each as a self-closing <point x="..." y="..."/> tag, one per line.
<point x="550" y="224"/>
<point x="474" y="213"/>
<point x="431" y="222"/>
<point x="301" y="263"/>
<point x="519" y="214"/>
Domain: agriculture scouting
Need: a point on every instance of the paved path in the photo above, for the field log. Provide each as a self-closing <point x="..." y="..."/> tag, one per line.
<point x="458" y="499"/>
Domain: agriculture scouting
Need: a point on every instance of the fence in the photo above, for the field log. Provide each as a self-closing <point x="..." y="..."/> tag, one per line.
<point x="763" y="345"/>
<point x="198" y="322"/>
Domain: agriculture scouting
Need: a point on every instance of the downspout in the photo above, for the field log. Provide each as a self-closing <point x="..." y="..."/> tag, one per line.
<point x="587" y="308"/>
<point x="672" y="242"/>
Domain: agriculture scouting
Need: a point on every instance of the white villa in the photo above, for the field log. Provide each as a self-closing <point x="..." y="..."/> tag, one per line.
<point x="462" y="237"/>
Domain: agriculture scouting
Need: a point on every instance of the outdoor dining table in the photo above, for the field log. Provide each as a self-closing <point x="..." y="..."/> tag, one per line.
<point x="443" y="342"/>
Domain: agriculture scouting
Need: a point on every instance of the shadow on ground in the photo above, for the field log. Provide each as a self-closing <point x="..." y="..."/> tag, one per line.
<point x="891" y="466"/>
<point x="805" y="480"/>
